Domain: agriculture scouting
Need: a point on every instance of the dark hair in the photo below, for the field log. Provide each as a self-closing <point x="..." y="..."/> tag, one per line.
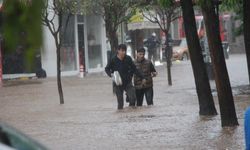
<point x="122" y="46"/>
<point x="142" y="50"/>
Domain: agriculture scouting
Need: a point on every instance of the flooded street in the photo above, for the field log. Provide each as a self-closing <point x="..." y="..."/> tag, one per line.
<point x="89" y="119"/>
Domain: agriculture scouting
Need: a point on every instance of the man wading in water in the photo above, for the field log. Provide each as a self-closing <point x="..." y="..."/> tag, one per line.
<point x="123" y="65"/>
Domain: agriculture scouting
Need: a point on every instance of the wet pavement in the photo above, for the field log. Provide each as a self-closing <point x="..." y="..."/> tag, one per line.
<point x="89" y="119"/>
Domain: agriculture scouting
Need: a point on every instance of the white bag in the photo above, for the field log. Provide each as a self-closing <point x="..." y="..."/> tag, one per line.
<point x="117" y="78"/>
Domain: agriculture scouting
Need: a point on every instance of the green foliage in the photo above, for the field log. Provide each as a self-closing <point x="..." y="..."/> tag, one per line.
<point x="68" y="6"/>
<point x="166" y="3"/>
<point x="22" y="26"/>
<point x="114" y="12"/>
<point x="162" y="12"/>
<point x="235" y="6"/>
<point x="231" y="4"/>
<point x="204" y="2"/>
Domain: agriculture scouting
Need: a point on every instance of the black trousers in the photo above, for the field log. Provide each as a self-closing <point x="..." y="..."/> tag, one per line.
<point x="129" y="88"/>
<point x="152" y="53"/>
<point x="149" y="94"/>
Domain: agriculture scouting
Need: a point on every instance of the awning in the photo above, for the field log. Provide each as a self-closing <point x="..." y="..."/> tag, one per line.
<point x="142" y="25"/>
<point x="138" y="21"/>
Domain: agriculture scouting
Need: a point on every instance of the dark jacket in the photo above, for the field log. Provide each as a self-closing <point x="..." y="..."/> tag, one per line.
<point x="126" y="69"/>
<point x="152" y="43"/>
<point x="147" y="68"/>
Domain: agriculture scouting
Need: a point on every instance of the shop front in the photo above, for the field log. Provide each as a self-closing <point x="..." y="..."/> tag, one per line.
<point x="84" y="45"/>
<point x="91" y="42"/>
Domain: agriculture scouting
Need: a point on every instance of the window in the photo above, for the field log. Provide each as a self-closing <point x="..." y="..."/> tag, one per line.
<point x="68" y="51"/>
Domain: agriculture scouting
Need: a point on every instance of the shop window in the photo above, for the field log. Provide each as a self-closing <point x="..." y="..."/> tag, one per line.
<point x="94" y="36"/>
<point x="68" y="50"/>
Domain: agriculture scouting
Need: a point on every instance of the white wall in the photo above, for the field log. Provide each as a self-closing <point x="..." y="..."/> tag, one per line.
<point x="48" y="53"/>
<point x="104" y="43"/>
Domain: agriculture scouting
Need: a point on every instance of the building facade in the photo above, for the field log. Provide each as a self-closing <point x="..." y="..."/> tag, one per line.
<point x="84" y="44"/>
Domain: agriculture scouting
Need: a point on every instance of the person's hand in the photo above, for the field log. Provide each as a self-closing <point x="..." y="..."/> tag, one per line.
<point x="112" y="77"/>
<point x="144" y="82"/>
<point x="154" y="74"/>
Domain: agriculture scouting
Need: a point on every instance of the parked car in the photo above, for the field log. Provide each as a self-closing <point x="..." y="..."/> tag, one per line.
<point x="181" y="52"/>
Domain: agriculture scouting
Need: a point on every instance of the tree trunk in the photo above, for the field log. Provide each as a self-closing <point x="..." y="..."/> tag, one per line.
<point x="113" y="40"/>
<point x="168" y="54"/>
<point x="168" y="59"/>
<point x="139" y="39"/>
<point x="58" y="60"/>
<point x="226" y="102"/>
<point x="246" y="20"/>
<point x="169" y="68"/>
<point x="203" y="89"/>
<point x="111" y="33"/>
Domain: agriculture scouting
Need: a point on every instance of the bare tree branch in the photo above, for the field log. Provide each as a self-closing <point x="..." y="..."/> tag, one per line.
<point x="53" y="17"/>
<point x="164" y="20"/>
<point x="174" y="18"/>
<point x="149" y="19"/>
<point x="65" y="27"/>
<point x="52" y="25"/>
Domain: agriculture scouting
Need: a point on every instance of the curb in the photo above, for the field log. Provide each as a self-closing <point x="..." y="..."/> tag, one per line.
<point x="20" y="78"/>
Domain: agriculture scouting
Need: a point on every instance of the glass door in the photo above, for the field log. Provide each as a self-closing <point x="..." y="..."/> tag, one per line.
<point x="81" y="45"/>
<point x="68" y="52"/>
<point x="94" y="42"/>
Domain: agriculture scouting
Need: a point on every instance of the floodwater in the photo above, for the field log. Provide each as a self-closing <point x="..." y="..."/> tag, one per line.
<point x="89" y="119"/>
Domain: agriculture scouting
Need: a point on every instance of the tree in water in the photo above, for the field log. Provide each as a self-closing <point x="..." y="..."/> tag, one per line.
<point x="226" y="101"/>
<point x="246" y="29"/>
<point x="163" y="12"/>
<point x="203" y="89"/>
<point x="52" y="17"/>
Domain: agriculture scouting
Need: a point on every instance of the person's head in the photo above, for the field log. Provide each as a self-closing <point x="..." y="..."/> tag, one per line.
<point x="121" y="52"/>
<point x="154" y="34"/>
<point x="140" y="54"/>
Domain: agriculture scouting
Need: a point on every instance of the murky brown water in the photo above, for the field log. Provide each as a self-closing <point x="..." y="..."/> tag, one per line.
<point x="89" y="119"/>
